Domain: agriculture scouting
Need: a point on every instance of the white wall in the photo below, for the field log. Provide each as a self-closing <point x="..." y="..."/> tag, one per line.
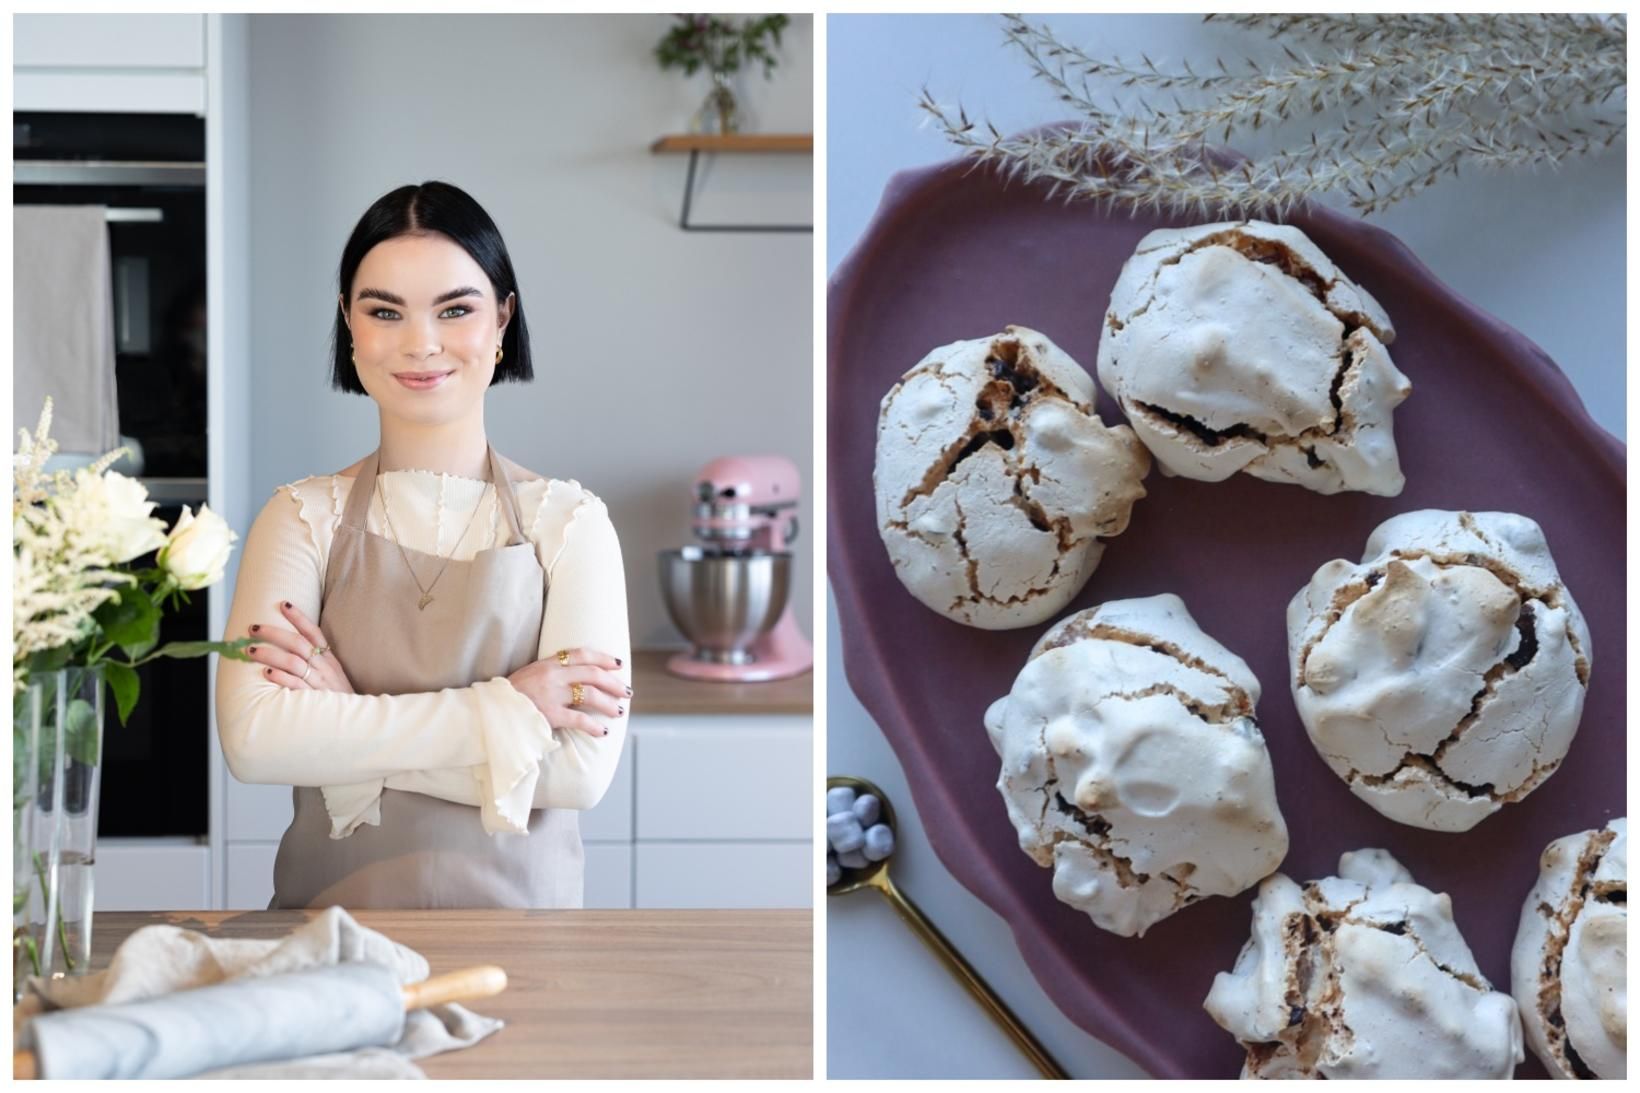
<point x="655" y="349"/>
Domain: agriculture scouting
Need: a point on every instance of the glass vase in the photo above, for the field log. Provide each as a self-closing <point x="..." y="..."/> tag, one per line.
<point x="720" y="113"/>
<point x="57" y="726"/>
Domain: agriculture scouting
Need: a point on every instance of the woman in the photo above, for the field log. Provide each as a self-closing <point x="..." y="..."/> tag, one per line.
<point x="441" y="665"/>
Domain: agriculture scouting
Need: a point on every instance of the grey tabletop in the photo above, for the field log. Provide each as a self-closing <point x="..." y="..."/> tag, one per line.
<point x="1543" y="251"/>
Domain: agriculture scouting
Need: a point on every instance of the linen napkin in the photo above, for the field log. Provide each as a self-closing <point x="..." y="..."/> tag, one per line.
<point x="159" y="959"/>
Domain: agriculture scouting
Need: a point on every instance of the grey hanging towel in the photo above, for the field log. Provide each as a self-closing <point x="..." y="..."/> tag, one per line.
<point x="63" y="325"/>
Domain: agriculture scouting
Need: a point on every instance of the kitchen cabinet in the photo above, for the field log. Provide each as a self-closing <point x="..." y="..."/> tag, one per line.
<point x="711" y="874"/>
<point x="135" y="875"/>
<point x="108" y="41"/>
<point x="151" y="64"/>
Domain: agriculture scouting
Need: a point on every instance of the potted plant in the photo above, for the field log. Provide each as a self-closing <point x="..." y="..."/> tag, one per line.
<point x="721" y="46"/>
<point x="86" y="615"/>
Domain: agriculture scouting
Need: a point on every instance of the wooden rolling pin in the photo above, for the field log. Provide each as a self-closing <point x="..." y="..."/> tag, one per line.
<point x="339" y="1007"/>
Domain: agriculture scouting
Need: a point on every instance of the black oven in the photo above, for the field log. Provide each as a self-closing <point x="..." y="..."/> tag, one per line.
<point x="149" y="172"/>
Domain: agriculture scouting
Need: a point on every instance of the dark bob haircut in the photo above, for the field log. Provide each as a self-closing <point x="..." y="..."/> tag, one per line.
<point x="448" y="210"/>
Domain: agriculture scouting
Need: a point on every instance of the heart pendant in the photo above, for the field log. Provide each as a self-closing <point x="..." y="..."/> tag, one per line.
<point x="426" y="598"/>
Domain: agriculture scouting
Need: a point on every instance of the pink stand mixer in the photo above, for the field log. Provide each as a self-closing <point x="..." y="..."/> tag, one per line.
<point x="731" y="596"/>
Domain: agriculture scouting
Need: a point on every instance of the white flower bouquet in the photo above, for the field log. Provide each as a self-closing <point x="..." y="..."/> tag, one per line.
<point x="76" y="599"/>
<point x="84" y="614"/>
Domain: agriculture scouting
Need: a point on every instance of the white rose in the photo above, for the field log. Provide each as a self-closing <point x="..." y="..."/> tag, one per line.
<point x="109" y="513"/>
<point x="198" y="548"/>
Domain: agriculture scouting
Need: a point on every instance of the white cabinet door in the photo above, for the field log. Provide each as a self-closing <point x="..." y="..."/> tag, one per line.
<point x="725" y="875"/>
<point x="134" y="876"/>
<point x="257" y="813"/>
<point x="725" y="779"/>
<point x="250" y="875"/>
<point x="610" y="820"/>
<point x="609" y="876"/>
<point x="108" y="41"/>
<point x="115" y="64"/>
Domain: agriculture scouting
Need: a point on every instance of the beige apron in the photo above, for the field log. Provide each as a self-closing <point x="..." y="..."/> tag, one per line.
<point x="484" y="621"/>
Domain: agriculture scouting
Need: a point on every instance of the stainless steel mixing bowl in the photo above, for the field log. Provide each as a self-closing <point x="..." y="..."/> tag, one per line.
<point x="724" y="602"/>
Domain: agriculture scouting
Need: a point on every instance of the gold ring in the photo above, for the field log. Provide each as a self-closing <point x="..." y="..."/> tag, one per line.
<point x="563" y="657"/>
<point x="306" y="671"/>
<point x="318" y="651"/>
<point x="576" y="694"/>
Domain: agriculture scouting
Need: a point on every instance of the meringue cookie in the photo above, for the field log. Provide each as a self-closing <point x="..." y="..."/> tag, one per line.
<point x="995" y="479"/>
<point x="1569" y="964"/>
<point x="1241" y="347"/>
<point x="1131" y="764"/>
<point x="1362" y="975"/>
<point x="1444" y="675"/>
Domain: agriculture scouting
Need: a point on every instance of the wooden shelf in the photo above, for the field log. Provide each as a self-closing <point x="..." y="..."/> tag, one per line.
<point x="733" y="142"/>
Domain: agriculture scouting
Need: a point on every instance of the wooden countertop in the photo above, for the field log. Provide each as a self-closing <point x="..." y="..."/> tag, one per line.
<point x="657" y="691"/>
<point x="592" y="994"/>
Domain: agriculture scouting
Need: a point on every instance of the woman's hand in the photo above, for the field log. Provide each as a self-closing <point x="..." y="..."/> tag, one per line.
<point x="285" y="657"/>
<point x="550" y="684"/>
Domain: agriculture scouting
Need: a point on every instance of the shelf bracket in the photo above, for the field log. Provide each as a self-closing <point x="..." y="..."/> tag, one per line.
<point x="688" y="200"/>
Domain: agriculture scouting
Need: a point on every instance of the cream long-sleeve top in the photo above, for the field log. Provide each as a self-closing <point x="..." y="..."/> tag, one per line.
<point x="485" y="744"/>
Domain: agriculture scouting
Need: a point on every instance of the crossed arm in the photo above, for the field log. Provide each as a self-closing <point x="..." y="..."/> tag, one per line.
<point x="487" y="740"/>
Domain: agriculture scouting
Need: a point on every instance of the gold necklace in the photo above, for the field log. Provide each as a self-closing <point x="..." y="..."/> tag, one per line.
<point x="426" y="593"/>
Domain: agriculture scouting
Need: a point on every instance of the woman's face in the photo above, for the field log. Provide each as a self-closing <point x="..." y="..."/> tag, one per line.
<point x="425" y="326"/>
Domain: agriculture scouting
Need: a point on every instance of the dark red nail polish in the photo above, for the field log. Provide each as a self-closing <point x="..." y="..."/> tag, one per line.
<point x="620" y="711"/>
<point x="618" y="662"/>
<point x="629" y="692"/>
<point x="255" y="627"/>
<point x="267" y="671"/>
<point x="251" y="650"/>
<point x="287" y="604"/>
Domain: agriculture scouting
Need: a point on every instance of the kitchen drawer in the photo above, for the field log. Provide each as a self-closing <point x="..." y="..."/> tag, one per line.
<point x="720" y="875"/>
<point x="250" y="875"/>
<point x="610" y="820"/>
<point x="609" y="876"/>
<point x="725" y="779"/>
<point x="108" y="41"/>
<point x="137" y="875"/>
<point x="257" y="813"/>
<point x="102" y="91"/>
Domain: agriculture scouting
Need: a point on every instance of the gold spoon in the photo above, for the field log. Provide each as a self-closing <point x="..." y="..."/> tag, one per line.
<point x="875" y="875"/>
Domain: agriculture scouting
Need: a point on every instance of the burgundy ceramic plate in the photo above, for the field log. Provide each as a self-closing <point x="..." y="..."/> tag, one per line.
<point x="1491" y="424"/>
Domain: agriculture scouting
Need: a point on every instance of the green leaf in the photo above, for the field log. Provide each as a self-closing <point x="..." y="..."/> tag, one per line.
<point x="126" y="685"/>
<point x="131" y="621"/>
<point x="47" y="661"/>
<point x="81" y="741"/>
<point x="184" y="649"/>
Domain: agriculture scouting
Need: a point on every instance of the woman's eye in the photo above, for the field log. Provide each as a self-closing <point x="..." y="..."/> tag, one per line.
<point x="389" y="313"/>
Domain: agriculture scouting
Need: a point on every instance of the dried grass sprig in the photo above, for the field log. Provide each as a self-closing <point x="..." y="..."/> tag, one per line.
<point x="1437" y="93"/>
<point x="1519" y="30"/>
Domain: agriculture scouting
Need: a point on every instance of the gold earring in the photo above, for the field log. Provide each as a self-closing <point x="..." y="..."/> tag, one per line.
<point x="498" y="354"/>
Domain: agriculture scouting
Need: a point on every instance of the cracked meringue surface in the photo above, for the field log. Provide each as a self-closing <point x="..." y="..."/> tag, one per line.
<point x="1362" y="975"/>
<point x="1444" y="675"/>
<point x="995" y="480"/>
<point x="1133" y="767"/>
<point x="1569" y="964"/>
<point x="1241" y="347"/>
